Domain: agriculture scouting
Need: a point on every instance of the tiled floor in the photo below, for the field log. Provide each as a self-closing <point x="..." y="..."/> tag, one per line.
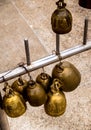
<point x="20" y="19"/>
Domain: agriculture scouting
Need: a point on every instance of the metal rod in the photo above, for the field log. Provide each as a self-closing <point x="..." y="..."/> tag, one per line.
<point x="27" y="51"/>
<point x="4" y="125"/>
<point x="44" y="62"/>
<point x="85" y="31"/>
<point x="57" y="44"/>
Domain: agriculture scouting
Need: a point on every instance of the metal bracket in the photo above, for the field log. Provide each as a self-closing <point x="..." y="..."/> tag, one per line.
<point x="85" y="31"/>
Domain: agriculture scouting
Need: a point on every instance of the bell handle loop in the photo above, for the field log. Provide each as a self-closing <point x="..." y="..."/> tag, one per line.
<point x="60" y="4"/>
<point x="20" y="80"/>
<point x="11" y="91"/>
<point x="43" y="69"/>
<point x="7" y="88"/>
<point x="54" y="89"/>
<point x="6" y="85"/>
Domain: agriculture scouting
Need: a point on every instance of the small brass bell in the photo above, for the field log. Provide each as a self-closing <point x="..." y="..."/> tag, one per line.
<point x="19" y="86"/>
<point x="68" y="75"/>
<point x="13" y="103"/>
<point x="61" y="19"/>
<point x="55" y="104"/>
<point x="45" y="80"/>
<point x="36" y="94"/>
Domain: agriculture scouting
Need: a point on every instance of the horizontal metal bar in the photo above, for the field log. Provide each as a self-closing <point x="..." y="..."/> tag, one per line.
<point x="44" y="62"/>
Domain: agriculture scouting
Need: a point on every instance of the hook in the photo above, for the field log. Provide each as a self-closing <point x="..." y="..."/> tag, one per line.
<point x="22" y="65"/>
<point x="43" y="69"/>
<point x="27" y="51"/>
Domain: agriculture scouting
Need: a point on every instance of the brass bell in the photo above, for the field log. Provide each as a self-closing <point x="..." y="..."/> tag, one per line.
<point x="45" y="80"/>
<point x="19" y="86"/>
<point x="13" y="103"/>
<point x="55" y="104"/>
<point x="68" y="75"/>
<point x="61" y="19"/>
<point x="36" y="94"/>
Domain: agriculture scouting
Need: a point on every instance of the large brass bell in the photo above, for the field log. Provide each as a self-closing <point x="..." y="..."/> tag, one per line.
<point x="19" y="85"/>
<point x="68" y="74"/>
<point x="13" y="103"/>
<point x="36" y="94"/>
<point x="55" y="104"/>
<point x="61" y="19"/>
<point x="45" y="80"/>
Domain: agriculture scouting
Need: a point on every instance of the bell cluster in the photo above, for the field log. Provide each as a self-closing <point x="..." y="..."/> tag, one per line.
<point x="45" y="90"/>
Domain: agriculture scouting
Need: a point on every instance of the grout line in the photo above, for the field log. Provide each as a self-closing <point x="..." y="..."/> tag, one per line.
<point x="28" y="24"/>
